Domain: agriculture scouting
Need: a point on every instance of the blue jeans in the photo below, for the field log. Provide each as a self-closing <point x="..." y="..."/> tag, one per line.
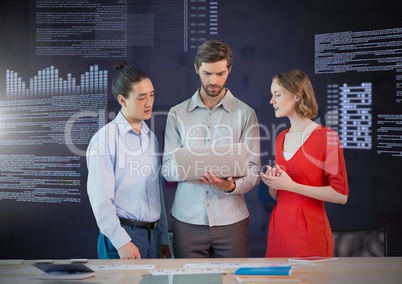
<point x="147" y="241"/>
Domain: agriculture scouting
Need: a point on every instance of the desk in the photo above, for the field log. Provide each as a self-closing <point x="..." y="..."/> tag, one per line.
<point x="347" y="270"/>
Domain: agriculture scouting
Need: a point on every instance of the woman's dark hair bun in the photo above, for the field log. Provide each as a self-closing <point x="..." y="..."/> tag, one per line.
<point x="120" y="65"/>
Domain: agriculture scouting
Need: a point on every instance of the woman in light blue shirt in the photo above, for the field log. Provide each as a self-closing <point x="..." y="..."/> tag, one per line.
<point x="124" y="184"/>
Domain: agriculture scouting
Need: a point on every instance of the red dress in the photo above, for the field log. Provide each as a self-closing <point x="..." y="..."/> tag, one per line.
<point x="299" y="224"/>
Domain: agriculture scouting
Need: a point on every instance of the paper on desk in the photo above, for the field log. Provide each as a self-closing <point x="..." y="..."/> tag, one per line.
<point x="233" y="264"/>
<point x="185" y="271"/>
<point x="22" y="271"/>
<point x="11" y="261"/>
<point x="120" y="266"/>
<point x="310" y="259"/>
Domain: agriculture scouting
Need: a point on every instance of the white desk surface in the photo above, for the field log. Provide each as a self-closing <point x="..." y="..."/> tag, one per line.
<point x="353" y="270"/>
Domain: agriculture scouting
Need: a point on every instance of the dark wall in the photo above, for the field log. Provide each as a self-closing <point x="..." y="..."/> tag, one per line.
<point x="267" y="37"/>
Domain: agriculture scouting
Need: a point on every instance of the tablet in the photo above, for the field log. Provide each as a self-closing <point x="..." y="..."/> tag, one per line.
<point x="223" y="160"/>
<point x="63" y="268"/>
<point x="63" y="271"/>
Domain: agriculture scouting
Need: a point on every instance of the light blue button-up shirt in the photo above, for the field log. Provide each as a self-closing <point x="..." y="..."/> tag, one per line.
<point x="124" y="179"/>
<point x="190" y="124"/>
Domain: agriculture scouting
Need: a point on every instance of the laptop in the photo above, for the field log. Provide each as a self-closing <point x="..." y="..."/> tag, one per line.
<point x="223" y="160"/>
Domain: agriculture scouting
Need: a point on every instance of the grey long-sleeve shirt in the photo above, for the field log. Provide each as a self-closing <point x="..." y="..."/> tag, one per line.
<point x="190" y="124"/>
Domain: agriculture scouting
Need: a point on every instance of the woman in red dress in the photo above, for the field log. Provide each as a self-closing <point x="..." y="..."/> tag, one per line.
<point x="309" y="170"/>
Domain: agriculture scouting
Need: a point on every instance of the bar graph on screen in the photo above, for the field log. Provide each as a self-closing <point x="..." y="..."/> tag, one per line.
<point x="48" y="83"/>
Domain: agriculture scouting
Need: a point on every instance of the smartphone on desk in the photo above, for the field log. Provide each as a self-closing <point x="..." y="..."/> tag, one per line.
<point x="79" y="260"/>
<point x="46" y="261"/>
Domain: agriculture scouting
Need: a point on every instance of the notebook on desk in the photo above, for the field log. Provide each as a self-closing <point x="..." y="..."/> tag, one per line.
<point x="226" y="160"/>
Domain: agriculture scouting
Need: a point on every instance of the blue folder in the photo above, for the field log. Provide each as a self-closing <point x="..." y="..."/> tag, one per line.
<point x="266" y="270"/>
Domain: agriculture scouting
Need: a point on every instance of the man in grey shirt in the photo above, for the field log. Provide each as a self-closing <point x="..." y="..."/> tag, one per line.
<point x="210" y="216"/>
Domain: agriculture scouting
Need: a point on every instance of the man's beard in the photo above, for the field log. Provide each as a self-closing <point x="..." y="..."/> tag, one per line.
<point x="214" y="93"/>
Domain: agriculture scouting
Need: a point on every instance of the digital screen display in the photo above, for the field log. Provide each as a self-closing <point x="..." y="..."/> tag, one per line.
<point x="55" y="92"/>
